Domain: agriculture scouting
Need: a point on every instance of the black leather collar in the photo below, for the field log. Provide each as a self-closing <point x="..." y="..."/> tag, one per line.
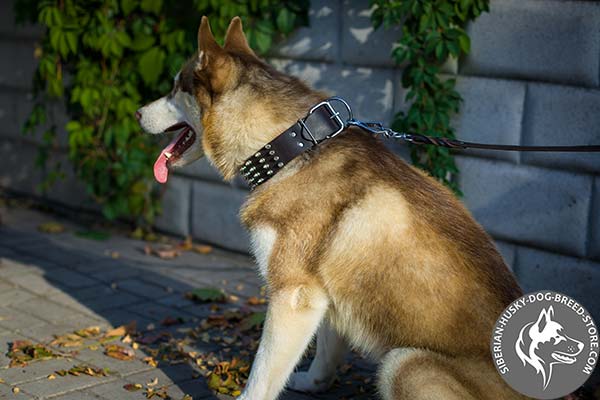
<point x="321" y="123"/>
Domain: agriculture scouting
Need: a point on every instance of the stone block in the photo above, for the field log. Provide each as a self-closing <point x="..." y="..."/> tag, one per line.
<point x="320" y="40"/>
<point x="215" y="216"/>
<point x="492" y="112"/>
<point x="508" y="252"/>
<point x="175" y="216"/>
<point x="562" y="115"/>
<point x="369" y="91"/>
<point x="10" y="28"/>
<point x="538" y="40"/>
<point x="19" y="64"/>
<point x="580" y="279"/>
<point x="202" y="169"/>
<point x="361" y="43"/>
<point x="545" y="208"/>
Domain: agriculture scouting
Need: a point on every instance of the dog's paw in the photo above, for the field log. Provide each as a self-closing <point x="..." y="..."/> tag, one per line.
<point x="303" y="382"/>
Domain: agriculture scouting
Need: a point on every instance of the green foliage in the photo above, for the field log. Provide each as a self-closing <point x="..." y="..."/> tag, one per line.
<point x="106" y="58"/>
<point x="432" y="31"/>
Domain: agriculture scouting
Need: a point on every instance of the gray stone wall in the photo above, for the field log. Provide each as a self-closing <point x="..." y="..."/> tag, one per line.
<point x="533" y="77"/>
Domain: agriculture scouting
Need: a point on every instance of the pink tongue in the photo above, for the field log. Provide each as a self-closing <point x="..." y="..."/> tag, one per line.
<point x="161" y="170"/>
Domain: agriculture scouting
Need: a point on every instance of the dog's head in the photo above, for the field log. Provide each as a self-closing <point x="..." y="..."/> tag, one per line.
<point x="226" y="103"/>
<point x="544" y="343"/>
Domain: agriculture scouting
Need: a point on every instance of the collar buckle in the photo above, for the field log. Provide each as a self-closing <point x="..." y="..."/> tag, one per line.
<point x="334" y="116"/>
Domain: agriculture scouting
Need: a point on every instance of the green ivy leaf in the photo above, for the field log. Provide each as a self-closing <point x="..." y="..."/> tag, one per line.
<point x="128" y="6"/>
<point x="153" y="6"/>
<point x="151" y="65"/>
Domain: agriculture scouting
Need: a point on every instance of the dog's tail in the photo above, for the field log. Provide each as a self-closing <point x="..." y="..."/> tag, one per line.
<point x="419" y="374"/>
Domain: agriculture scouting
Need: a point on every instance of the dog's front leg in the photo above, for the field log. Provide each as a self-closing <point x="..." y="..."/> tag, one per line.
<point x="331" y="350"/>
<point x="292" y="318"/>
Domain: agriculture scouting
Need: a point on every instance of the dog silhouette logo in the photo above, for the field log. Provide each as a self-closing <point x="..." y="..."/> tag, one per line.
<point x="545" y="345"/>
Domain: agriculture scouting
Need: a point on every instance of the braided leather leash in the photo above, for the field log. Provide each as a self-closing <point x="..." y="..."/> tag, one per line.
<point x="378" y="129"/>
<point x="324" y="122"/>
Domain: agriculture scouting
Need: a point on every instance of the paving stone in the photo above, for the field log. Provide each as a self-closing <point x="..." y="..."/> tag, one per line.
<point x="175" y="300"/>
<point x="549" y="40"/>
<point x="114" y="390"/>
<point x="47" y="310"/>
<point x="165" y="374"/>
<point x="115" y="275"/>
<point x="197" y="388"/>
<point x="7" y="393"/>
<point x="34" y="283"/>
<point x="202" y="169"/>
<point x="46" y="333"/>
<point x="63" y="384"/>
<point x="373" y="102"/>
<point x="119" y="367"/>
<point x="13" y="319"/>
<point x="215" y="215"/>
<point x="320" y="40"/>
<point x="485" y="99"/>
<point x="562" y="115"/>
<point x="70" y="279"/>
<point x="175" y="216"/>
<point x="141" y="288"/>
<point x="529" y="205"/>
<point x="34" y="371"/>
<point x="361" y="44"/>
<point x="580" y="279"/>
<point x="66" y="300"/>
<point x="115" y="300"/>
<point x="77" y="395"/>
<point x="118" y="317"/>
<point x="14" y="296"/>
<point x="61" y="255"/>
<point x="157" y="312"/>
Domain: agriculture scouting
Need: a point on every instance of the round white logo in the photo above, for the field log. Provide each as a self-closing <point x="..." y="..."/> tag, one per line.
<point x="545" y="345"/>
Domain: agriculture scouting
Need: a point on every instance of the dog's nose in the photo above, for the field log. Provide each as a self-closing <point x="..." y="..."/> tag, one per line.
<point x="138" y="115"/>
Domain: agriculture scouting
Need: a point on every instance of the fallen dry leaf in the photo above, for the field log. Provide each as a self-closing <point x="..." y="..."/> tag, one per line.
<point x="133" y="387"/>
<point x="203" y="249"/>
<point x="164" y="252"/>
<point x="170" y="321"/>
<point x="153" y="382"/>
<point x="119" y="352"/>
<point x="256" y="301"/>
<point x="22" y="352"/>
<point x="16" y="390"/>
<point x="83" y="369"/>
<point x="51" y="227"/>
<point x="206" y="295"/>
<point x="51" y="377"/>
<point x="150" y="361"/>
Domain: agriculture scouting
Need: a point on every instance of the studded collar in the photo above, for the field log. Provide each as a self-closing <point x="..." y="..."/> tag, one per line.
<point x="321" y="123"/>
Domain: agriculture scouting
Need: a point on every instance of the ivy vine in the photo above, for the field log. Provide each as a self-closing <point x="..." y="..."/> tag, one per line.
<point x="432" y="31"/>
<point x="106" y="58"/>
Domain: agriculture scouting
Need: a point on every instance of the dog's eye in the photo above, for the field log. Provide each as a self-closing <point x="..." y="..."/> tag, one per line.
<point x="558" y="339"/>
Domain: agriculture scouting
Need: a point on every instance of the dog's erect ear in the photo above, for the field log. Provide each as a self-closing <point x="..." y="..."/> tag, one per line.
<point x="544" y="318"/>
<point x="208" y="48"/>
<point x="235" y="39"/>
<point x="213" y="59"/>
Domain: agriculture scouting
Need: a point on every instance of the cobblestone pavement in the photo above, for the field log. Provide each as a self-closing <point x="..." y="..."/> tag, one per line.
<point x="53" y="284"/>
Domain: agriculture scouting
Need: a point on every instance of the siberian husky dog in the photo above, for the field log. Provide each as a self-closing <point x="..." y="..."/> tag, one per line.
<point x="354" y="244"/>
